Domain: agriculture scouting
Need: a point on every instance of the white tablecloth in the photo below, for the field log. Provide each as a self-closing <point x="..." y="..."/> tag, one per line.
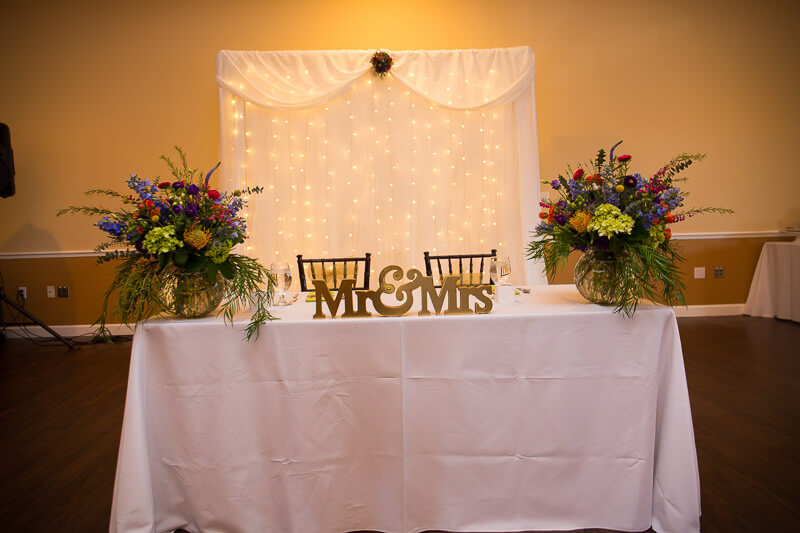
<point x="775" y="290"/>
<point x="550" y="413"/>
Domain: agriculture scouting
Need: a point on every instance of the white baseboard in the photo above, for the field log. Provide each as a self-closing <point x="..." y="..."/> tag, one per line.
<point x="66" y="331"/>
<point x="710" y="310"/>
<point x="730" y="235"/>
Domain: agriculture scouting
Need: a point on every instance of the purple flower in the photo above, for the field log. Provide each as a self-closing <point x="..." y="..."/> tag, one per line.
<point x="110" y="226"/>
<point x="576" y="187"/>
<point x="193" y="189"/>
<point x="561" y="219"/>
<point x="629" y="181"/>
<point x="208" y="176"/>
<point x="191" y="209"/>
<point x="176" y="208"/>
<point x="555" y="184"/>
<point x="611" y="154"/>
<point x="177" y="185"/>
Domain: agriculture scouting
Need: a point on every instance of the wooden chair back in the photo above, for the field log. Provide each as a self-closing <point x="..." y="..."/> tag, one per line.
<point x="476" y="266"/>
<point x="333" y="271"/>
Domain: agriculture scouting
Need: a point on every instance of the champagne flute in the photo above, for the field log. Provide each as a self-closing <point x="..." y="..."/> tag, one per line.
<point x="283" y="280"/>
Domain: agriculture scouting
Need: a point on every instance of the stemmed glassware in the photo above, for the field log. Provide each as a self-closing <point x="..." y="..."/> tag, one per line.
<point x="504" y="266"/>
<point x="283" y="280"/>
<point x="500" y="270"/>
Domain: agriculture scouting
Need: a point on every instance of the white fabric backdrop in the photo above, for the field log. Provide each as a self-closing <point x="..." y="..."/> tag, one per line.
<point x="441" y="155"/>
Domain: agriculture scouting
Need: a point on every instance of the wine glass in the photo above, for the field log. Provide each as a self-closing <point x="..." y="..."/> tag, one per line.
<point x="283" y="280"/>
<point x="504" y="267"/>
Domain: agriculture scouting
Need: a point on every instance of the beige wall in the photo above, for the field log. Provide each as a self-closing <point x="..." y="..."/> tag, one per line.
<point x="96" y="90"/>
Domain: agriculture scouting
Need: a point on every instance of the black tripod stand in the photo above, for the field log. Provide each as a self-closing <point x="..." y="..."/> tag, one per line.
<point x="4" y="300"/>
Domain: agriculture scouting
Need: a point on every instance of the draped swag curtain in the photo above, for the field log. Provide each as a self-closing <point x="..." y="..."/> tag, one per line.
<point x="440" y="155"/>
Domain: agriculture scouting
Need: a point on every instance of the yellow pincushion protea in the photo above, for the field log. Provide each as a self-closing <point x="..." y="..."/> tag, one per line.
<point x="196" y="237"/>
<point x="580" y="220"/>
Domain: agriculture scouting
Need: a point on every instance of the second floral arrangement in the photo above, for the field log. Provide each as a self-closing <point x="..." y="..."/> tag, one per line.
<point x="621" y="220"/>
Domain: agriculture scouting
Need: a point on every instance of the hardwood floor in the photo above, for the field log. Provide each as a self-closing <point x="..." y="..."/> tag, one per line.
<point x="60" y="423"/>
<point x="61" y="416"/>
<point x="744" y="378"/>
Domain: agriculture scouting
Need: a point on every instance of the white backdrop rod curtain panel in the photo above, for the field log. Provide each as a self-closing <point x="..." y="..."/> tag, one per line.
<point x="440" y="155"/>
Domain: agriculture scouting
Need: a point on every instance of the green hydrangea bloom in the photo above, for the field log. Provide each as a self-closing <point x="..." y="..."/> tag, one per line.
<point x="608" y="220"/>
<point x="218" y="251"/>
<point x="161" y="240"/>
<point x="656" y="236"/>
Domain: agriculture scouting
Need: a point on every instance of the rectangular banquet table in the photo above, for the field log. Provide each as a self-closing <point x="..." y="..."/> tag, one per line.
<point x="551" y="413"/>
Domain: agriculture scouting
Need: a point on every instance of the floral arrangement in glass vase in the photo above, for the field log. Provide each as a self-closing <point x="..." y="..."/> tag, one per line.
<point x="620" y="220"/>
<point x="175" y="240"/>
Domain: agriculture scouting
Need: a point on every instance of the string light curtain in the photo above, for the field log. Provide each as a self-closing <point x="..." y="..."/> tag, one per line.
<point x="439" y="155"/>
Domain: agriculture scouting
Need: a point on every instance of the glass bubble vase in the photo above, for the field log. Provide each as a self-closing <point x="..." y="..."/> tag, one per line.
<point x="598" y="275"/>
<point x="191" y="294"/>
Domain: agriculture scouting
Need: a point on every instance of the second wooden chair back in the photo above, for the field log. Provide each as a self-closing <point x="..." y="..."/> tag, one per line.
<point x="476" y="265"/>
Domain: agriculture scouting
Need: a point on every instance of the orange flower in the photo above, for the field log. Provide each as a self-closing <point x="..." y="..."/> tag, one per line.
<point x="196" y="237"/>
<point x="667" y="233"/>
<point x="669" y="218"/>
<point x="580" y="220"/>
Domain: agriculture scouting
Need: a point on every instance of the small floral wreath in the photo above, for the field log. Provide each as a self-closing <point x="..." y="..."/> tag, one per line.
<point x="381" y="64"/>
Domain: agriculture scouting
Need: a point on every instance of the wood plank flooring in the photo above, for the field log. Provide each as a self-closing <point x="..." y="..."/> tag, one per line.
<point x="744" y="381"/>
<point x="61" y="416"/>
<point x="60" y="423"/>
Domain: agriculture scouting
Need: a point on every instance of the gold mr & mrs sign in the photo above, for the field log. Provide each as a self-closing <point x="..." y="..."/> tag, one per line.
<point x="457" y="297"/>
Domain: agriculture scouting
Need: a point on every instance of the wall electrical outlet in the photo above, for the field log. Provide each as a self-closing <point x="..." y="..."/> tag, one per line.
<point x="699" y="272"/>
<point x="22" y="292"/>
<point x="63" y="292"/>
<point x="719" y="272"/>
<point x="51" y="291"/>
